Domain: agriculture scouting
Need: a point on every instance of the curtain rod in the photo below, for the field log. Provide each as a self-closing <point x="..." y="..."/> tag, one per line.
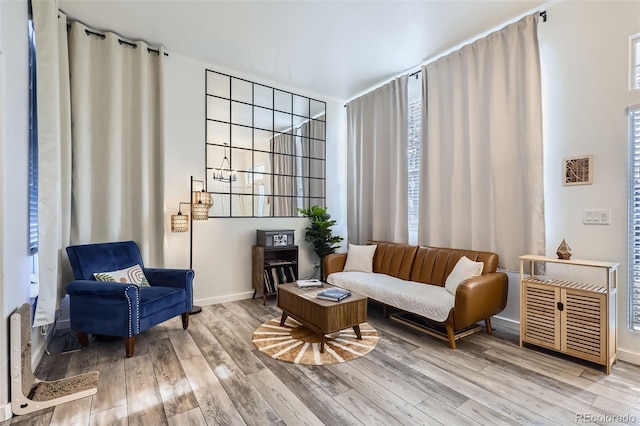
<point x="121" y="40"/>
<point x="543" y="15"/>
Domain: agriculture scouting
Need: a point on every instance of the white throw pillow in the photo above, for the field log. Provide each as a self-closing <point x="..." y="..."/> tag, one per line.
<point x="464" y="269"/>
<point x="360" y="258"/>
<point x="131" y="275"/>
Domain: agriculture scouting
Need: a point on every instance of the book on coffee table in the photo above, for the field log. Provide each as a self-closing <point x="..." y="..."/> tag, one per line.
<point x="334" y="293"/>
<point x="308" y="283"/>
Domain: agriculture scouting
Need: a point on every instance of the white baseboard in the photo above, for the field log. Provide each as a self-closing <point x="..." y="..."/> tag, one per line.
<point x="630" y="357"/>
<point x="224" y="299"/>
<point x="506" y="322"/>
<point x="6" y="413"/>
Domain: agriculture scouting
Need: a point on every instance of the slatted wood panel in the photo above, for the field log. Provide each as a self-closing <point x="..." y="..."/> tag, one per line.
<point x="541" y="318"/>
<point x="584" y="322"/>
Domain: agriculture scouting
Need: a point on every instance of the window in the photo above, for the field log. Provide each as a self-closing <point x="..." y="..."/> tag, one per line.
<point x="634" y="219"/>
<point x="415" y="140"/>
<point x="635" y="62"/>
<point x="33" y="145"/>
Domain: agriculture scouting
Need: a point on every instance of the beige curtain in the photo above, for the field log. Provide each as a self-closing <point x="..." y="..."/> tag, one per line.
<point x="481" y="167"/>
<point x="377" y="143"/>
<point x="54" y="156"/>
<point x="117" y="142"/>
<point x="284" y="183"/>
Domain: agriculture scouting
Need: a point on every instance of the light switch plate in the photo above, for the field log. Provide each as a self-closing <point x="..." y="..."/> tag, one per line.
<point x="596" y="217"/>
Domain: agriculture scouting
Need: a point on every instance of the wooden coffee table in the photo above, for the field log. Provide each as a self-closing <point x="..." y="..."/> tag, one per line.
<point x="319" y="315"/>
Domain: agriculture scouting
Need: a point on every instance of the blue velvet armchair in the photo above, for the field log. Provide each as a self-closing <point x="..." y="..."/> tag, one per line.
<point x="123" y="309"/>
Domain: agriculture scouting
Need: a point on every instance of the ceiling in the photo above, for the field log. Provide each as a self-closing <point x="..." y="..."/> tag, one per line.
<point x="337" y="49"/>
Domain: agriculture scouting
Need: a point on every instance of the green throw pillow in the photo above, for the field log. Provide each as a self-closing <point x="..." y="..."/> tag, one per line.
<point x="132" y="275"/>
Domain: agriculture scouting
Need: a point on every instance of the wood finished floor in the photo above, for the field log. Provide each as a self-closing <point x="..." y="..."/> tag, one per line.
<point x="212" y="374"/>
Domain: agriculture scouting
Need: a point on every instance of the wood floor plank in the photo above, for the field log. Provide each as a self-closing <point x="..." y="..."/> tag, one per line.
<point x="112" y="389"/>
<point x="483" y="414"/>
<point x="256" y="310"/>
<point x="311" y="392"/>
<point x="543" y="393"/>
<point x="553" y="413"/>
<point x="517" y="367"/>
<point x="183" y="343"/>
<point x="116" y="416"/>
<point x="503" y="406"/>
<point x="286" y="404"/>
<point x="144" y="403"/>
<point x="393" y="404"/>
<point x="437" y="390"/>
<point x="177" y="396"/>
<point x="76" y="412"/>
<point x="617" y="406"/>
<point x="215" y="405"/>
<point x="191" y="417"/>
<point x="444" y="414"/>
<point x="83" y="361"/>
<point x="324" y="378"/>
<point x="241" y="353"/>
<point x="465" y="358"/>
<point x="577" y="381"/>
<point x="248" y="401"/>
<point x="552" y="359"/>
<point x="403" y="389"/>
<point x="235" y="323"/>
<point x="368" y="412"/>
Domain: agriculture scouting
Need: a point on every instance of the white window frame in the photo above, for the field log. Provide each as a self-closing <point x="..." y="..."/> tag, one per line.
<point x="633" y="280"/>
<point x="413" y="162"/>
<point x="634" y="62"/>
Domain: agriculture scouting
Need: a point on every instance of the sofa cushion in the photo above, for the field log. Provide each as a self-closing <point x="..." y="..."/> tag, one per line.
<point x="394" y="259"/>
<point x="426" y="300"/>
<point x="156" y="299"/>
<point x="465" y="268"/>
<point x="433" y="265"/>
<point x="360" y="258"/>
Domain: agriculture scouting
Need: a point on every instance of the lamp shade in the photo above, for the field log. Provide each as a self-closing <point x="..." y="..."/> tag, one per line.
<point x="200" y="211"/>
<point x="179" y="222"/>
<point x="202" y="197"/>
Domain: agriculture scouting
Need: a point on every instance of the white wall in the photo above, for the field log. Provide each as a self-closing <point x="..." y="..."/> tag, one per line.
<point x="222" y="246"/>
<point x="15" y="263"/>
<point x="584" y="49"/>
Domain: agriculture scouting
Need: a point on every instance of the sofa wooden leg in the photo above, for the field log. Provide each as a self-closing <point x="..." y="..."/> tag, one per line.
<point x="185" y="320"/>
<point x="385" y="311"/>
<point x="129" y="344"/>
<point x="83" y="338"/>
<point x="450" y="335"/>
<point x="487" y="322"/>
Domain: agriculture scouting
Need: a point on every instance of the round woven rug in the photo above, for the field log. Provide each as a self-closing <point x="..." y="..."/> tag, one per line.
<point x="297" y="344"/>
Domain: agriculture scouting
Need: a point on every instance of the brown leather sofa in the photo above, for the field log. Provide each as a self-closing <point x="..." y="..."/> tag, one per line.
<point x="476" y="299"/>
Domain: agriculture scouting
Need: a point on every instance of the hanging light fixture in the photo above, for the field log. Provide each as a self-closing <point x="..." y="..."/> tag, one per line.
<point x="219" y="173"/>
<point x="202" y="196"/>
<point x="199" y="211"/>
<point x="201" y="202"/>
<point x="180" y="222"/>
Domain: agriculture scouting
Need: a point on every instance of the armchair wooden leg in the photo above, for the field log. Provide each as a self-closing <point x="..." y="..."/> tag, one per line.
<point x="450" y="335"/>
<point x="487" y="322"/>
<point x="83" y="338"/>
<point x="129" y="343"/>
<point x="185" y="320"/>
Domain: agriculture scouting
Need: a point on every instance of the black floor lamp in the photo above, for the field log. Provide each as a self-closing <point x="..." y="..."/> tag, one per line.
<point x="201" y="202"/>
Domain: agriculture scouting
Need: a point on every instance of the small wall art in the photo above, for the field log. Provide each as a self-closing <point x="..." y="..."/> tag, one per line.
<point x="577" y="170"/>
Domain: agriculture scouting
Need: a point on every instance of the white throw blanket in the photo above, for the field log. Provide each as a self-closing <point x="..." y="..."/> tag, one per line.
<point x="427" y="300"/>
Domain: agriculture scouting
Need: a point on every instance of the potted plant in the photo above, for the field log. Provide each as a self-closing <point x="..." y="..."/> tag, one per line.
<point x="319" y="232"/>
